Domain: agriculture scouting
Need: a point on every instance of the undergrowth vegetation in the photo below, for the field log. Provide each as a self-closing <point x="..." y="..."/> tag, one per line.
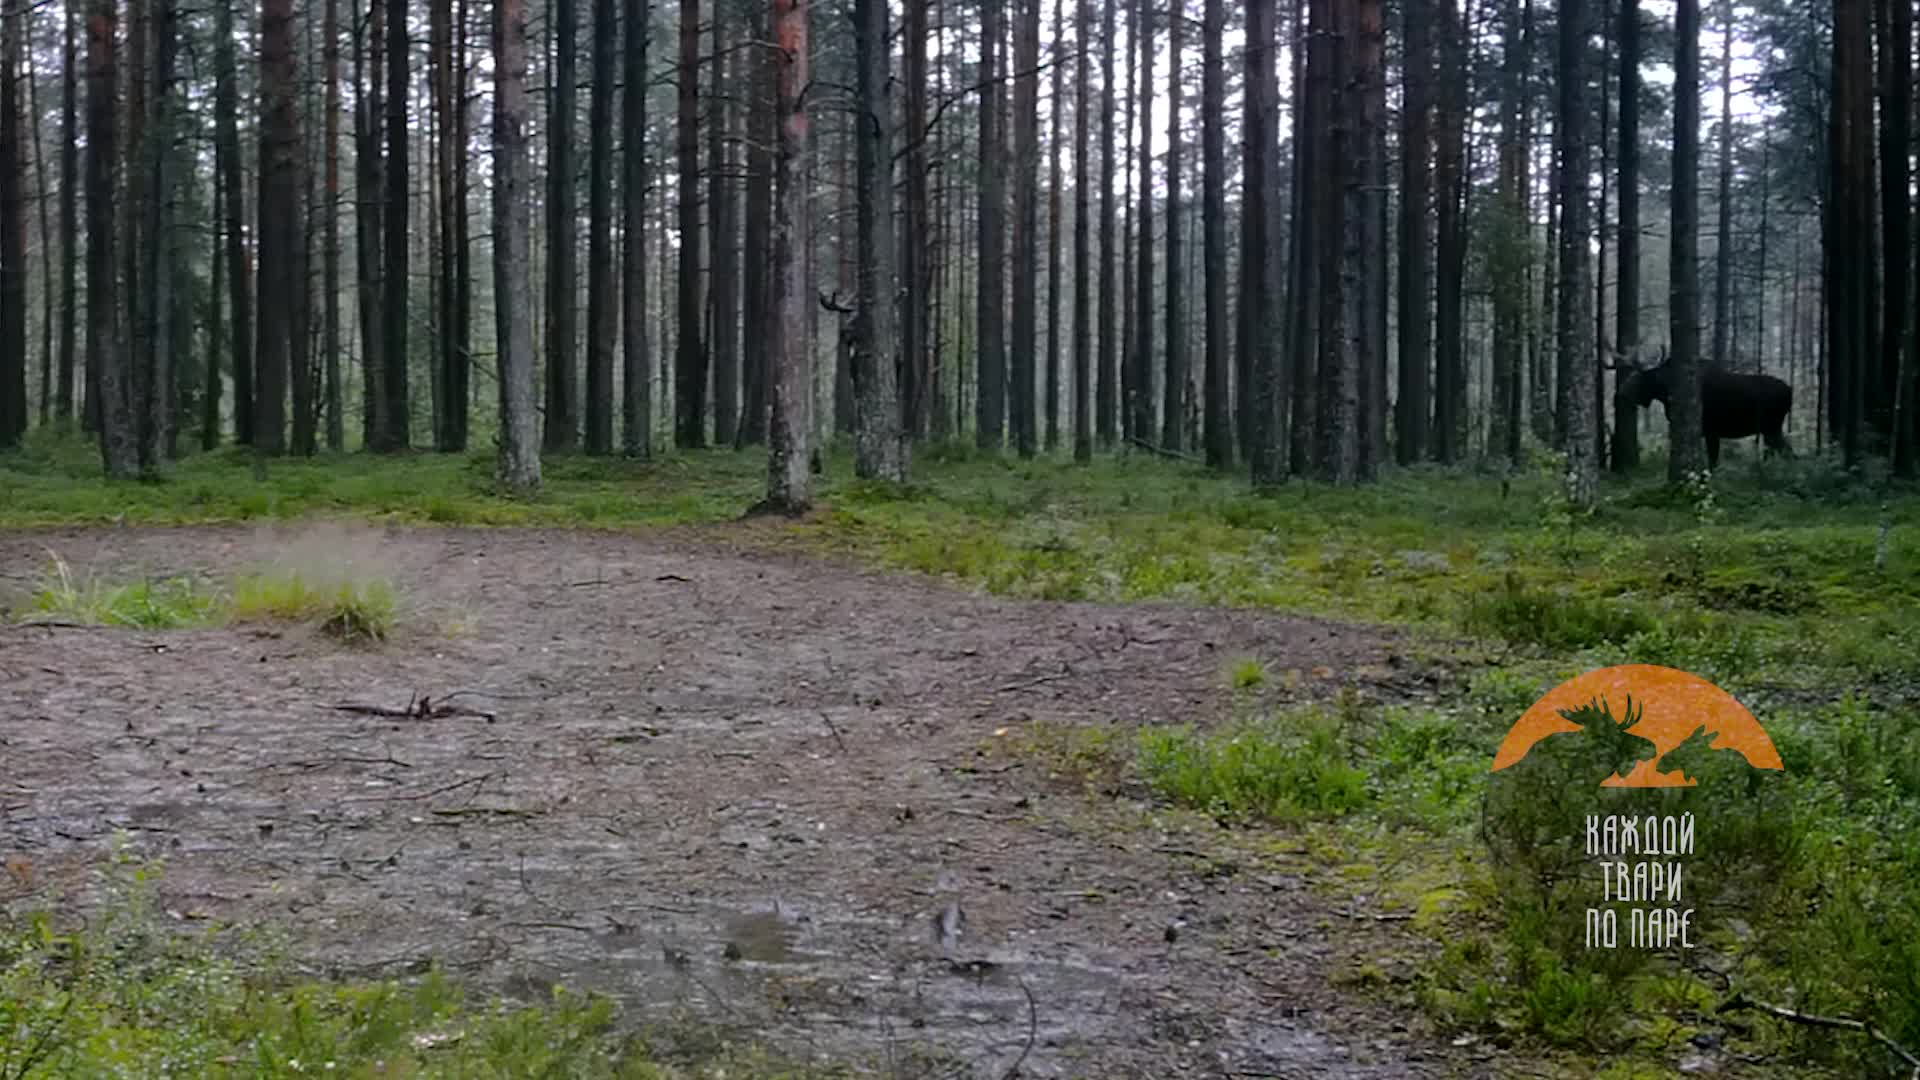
<point x="1805" y="884"/>
<point x="349" y="609"/>
<point x="125" y="996"/>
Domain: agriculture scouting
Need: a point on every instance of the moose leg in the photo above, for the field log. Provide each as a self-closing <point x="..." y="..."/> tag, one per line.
<point x="1777" y="443"/>
<point x="1713" y="452"/>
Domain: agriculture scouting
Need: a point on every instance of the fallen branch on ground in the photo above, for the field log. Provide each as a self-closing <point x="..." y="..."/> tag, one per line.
<point x="422" y="708"/>
<point x="1174" y="455"/>
<point x="1741" y="1002"/>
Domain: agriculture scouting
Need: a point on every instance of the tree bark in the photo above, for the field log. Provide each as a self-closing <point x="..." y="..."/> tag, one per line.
<point x="233" y="190"/>
<point x="1083" y="283"/>
<point x="1723" y="245"/>
<point x="990" y="402"/>
<point x="398" y="435"/>
<point x="916" y="271"/>
<point x="1450" y="365"/>
<point x="1174" y="391"/>
<point x="1139" y="389"/>
<point x="1262" y="386"/>
<point x="1416" y="326"/>
<point x="369" y="213"/>
<point x="602" y="307"/>
<point x="1106" y="398"/>
<point x="13" y="238"/>
<point x="562" y="430"/>
<point x="1213" y="228"/>
<point x="636" y="363"/>
<point x="107" y="355"/>
<point x="1626" y="416"/>
<point x="1026" y="223"/>
<point x="790" y="427"/>
<point x="1053" y="222"/>
<point x="689" y="366"/>
<point x="1512" y="247"/>
<point x="518" y="461"/>
<point x="69" y="218"/>
<point x="723" y="294"/>
<point x="278" y="205"/>
<point x="1687" y="453"/>
<point x="1574" y="310"/>
<point x="880" y="445"/>
<point x="755" y="316"/>
<point x="330" y="271"/>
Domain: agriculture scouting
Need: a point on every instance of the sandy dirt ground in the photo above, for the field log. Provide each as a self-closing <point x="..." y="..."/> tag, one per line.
<point x="743" y="788"/>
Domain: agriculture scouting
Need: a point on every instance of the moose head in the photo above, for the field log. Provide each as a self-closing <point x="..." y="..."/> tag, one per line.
<point x="1640" y="385"/>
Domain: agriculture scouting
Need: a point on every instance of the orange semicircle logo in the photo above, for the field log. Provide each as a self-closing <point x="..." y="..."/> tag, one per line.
<point x="1663" y="706"/>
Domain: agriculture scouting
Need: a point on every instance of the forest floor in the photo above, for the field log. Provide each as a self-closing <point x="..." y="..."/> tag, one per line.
<point x="757" y="791"/>
<point x="1027" y="768"/>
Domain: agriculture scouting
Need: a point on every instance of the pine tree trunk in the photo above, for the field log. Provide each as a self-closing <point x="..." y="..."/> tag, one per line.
<point x="689" y="364"/>
<point x="398" y="433"/>
<point x="106" y="353"/>
<point x="756" y="316"/>
<point x="233" y="191"/>
<point x="562" y="430"/>
<point x="1512" y="247"/>
<point x="602" y="307"/>
<point x="916" y="270"/>
<point x="69" y="218"/>
<point x="278" y="203"/>
<point x="518" y="468"/>
<point x="1894" y="55"/>
<point x="331" y="343"/>
<point x="1307" y="235"/>
<point x="880" y="448"/>
<point x="1139" y="389"/>
<point x="1450" y="366"/>
<point x="1174" y="391"/>
<point x="636" y="400"/>
<point x="1416" y="324"/>
<point x="990" y="401"/>
<point x="369" y="213"/>
<point x="1626" y="415"/>
<point x="790" y="426"/>
<point x="1026" y="223"/>
<point x="1723" y="245"/>
<point x="43" y="195"/>
<point x="1213" y="228"/>
<point x="1687" y="453"/>
<point x="1574" y="310"/>
<point x="1261" y="368"/>
<point x="724" y="294"/>
<point x="13" y="237"/>
<point x="1083" y="282"/>
<point x="1054" y="283"/>
<point x="1106" y="398"/>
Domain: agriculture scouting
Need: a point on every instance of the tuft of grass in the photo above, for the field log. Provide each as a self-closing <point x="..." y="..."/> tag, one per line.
<point x="1247" y="673"/>
<point x="350" y="611"/>
<point x="152" y="604"/>
<point x="1288" y="767"/>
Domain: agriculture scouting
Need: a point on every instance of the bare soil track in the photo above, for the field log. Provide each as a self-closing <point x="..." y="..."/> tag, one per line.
<point x="746" y="788"/>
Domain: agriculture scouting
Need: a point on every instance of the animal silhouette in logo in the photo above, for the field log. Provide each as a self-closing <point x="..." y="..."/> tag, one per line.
<point x="1672" y="729"/>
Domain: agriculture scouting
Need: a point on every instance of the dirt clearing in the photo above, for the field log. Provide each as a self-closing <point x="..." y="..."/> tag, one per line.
<point x="753" y="790"/>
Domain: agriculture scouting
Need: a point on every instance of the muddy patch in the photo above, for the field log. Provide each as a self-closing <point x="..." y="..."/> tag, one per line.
<point x="753" y="790"/>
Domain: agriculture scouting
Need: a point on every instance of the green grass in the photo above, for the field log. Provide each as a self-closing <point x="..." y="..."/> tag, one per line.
<point x="123" y="996"/>
<point x="348" y="609"/>
<point x="1791" y="569"/>
<point x="351" y="611"/>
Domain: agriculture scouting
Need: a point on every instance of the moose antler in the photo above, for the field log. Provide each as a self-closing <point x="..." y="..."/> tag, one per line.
<point x="834" y="304"/>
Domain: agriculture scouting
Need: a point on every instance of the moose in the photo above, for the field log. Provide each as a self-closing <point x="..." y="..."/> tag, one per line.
<point x="1732" y="405"/>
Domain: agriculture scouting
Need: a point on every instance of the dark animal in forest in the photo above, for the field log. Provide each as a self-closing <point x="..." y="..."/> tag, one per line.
<point x="1732" y="405"/>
